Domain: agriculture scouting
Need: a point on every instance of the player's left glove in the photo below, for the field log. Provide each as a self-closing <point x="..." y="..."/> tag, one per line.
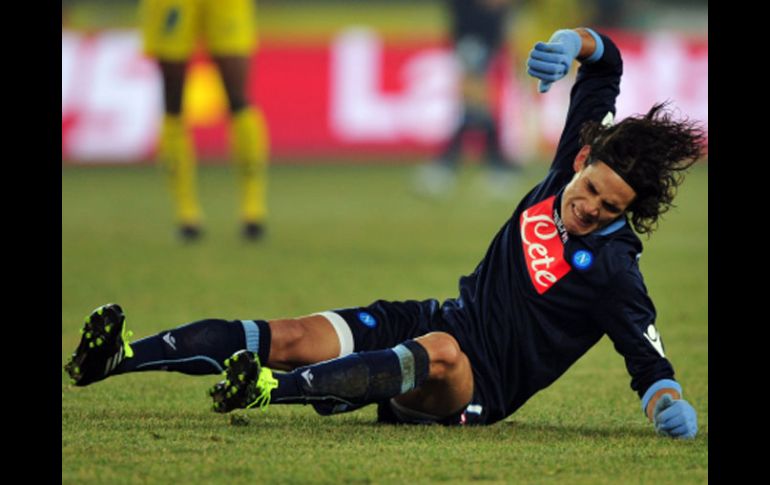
<point x="550" y="61"/>
<point x="675" y="418"/>
<point x="671" y="415"/>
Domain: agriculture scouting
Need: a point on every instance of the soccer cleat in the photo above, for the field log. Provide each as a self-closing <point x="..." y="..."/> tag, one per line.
<point x="190" y="233"/>
<point x="247" y="384"/>
<point x="253" y="231"/>
<point x="103" y="346"/>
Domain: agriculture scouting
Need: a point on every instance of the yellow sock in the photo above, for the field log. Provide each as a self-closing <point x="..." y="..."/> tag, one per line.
<point x="251" y="148"/>
<point x="177" y="156"/>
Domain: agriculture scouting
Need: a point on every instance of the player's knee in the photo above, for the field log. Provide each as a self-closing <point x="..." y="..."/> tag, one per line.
<point x="446" y="356"/>
<point x="287" y="340"/>
<point x="301" y="341"/>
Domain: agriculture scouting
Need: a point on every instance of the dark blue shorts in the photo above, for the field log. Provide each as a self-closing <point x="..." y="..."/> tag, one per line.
<point x="385" y="324"/>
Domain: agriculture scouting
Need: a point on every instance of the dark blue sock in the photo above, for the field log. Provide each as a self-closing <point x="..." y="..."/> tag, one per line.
<point x="355" y="380"/>
<point x="198" y="348"/>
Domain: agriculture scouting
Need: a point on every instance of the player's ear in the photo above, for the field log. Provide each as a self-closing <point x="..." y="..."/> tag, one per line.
<point x="581" y="157"/>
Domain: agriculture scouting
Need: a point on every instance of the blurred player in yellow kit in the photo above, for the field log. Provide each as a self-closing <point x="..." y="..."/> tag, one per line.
<point x="172" y="29"/>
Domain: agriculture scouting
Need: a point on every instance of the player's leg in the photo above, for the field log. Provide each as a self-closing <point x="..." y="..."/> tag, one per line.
<point x="479" y="102"/>
<point x="449" y="387"/>
<point x="430" y="373"/>
<point x="487" y="123"/>
<point x="230" y="31"/>
<point x="200" y="347"/>
<point x="176" y="152"/>
<point x="482" y="103"/>
<point x="169" y="31"/>
<point x="439" y="178"/>
<point x="473" y="58"/>
<point x="250" y="145"/>
<point x="477" y="60"/>
<point x="386" y="349"/>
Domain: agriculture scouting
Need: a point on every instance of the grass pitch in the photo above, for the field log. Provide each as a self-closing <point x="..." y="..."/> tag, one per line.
<point x="342" y="236"/>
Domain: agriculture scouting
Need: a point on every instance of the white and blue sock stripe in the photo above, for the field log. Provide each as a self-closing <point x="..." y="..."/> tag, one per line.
<point x="251" y="331"/>
<point x="406" y="362"/>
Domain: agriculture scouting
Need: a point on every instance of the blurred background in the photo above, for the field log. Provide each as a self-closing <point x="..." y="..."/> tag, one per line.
<point x="363" y="81"/>
<point x="357" y="96"/>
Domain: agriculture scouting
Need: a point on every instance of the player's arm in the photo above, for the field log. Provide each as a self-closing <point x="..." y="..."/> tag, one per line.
<point x="596" y="87"/>
<point x="627" y="315"/>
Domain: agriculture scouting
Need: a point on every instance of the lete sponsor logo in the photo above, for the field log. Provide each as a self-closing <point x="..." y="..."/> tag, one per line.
<point x="543" y="249"/>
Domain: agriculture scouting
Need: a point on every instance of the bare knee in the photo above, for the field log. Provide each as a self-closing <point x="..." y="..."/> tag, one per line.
<point x="301" y="341"/>
<point x="446" y="356"/>
<point x="286" y="337"/>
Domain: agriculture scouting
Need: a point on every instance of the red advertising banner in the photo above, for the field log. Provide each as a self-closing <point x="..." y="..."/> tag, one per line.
<point x="353" y="97"/>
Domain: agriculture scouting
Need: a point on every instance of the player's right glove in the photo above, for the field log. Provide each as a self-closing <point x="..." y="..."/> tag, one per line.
<point x="550" y="61"/>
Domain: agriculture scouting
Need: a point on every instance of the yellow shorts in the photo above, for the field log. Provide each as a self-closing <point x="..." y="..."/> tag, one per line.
<point x="171" y="29"/>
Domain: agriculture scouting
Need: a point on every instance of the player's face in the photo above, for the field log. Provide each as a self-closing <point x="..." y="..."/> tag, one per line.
<point x="594" y="198"/>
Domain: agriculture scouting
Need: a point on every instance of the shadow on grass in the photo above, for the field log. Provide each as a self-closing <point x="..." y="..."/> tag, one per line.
<point x="541" y="431"/>
<point x="300" y="419"/>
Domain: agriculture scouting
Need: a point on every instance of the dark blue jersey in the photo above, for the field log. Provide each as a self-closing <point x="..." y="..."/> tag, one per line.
<point x="541" y="298"/>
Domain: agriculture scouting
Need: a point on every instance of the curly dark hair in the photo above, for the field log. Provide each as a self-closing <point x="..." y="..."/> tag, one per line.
<point x="651" y="153"/>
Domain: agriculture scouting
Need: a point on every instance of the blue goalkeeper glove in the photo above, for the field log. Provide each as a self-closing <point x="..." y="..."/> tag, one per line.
<point x="551" y="61"/>
<point x="675" y="418"/>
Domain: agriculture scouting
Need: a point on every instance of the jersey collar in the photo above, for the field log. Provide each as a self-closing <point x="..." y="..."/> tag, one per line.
<point x="615" y="226"/>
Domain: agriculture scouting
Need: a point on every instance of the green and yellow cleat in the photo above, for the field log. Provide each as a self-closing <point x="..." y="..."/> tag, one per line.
<point x="246" y="384"/>
<point x="103" y="346"/>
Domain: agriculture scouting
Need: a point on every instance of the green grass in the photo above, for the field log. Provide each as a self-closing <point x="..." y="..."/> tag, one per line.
<point x="343" y="236"/>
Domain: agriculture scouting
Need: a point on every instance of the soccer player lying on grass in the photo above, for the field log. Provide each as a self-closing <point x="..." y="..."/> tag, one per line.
<point x="561" y="272"/>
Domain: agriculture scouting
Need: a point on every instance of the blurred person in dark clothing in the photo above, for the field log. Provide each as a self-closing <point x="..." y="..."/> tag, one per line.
<point x="478" y="30"/>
